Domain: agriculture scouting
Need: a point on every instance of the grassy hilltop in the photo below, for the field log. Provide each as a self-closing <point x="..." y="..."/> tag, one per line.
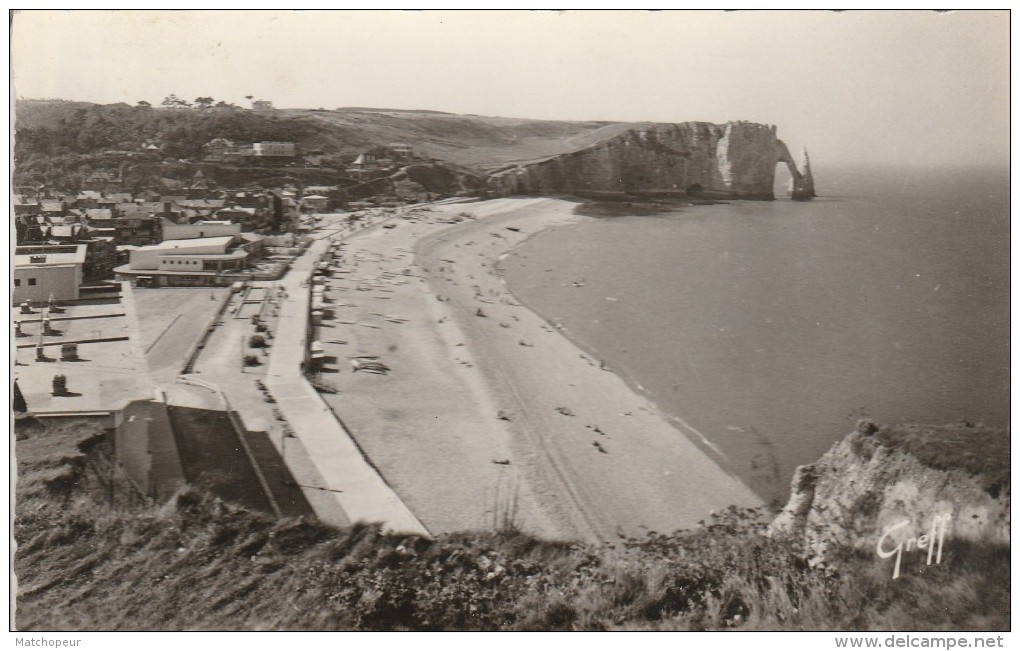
<point x="59" y="143"/>
<point x="88" y="550"/>
<point x="474" y="141"/>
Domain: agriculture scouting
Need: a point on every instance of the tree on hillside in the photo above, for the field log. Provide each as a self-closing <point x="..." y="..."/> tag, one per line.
<point x="143" y="104"/>
<point x="203" y="102"/>
<point x="381" y="151"/>
<point x="60" y="148"/>
<point x="172" y="101"/>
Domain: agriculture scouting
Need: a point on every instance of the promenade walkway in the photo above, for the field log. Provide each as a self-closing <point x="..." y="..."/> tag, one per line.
<point x="349" y="478"/>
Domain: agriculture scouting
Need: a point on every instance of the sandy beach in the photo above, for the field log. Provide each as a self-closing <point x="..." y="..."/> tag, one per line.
<point x="488" y="415"/>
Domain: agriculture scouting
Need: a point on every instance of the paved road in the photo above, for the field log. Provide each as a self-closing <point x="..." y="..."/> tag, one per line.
<point x="351" y="480"/>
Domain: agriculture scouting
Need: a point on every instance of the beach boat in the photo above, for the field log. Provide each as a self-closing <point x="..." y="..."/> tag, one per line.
<point x="369" y="364"/>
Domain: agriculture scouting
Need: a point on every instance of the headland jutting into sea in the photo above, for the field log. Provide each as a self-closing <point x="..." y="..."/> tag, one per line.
<point x="390" y="376"/>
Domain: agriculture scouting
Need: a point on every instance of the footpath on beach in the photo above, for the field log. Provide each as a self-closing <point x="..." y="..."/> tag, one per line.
<point x="349" y="478"/>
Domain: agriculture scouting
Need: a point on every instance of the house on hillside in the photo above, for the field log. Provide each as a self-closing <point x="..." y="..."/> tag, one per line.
<point x="64" y="233"/>
<point x="201" y="204"/>
<point x="74" y="216"/>
<point x="272" y="149"/>
<point x="315" y="203"/>
<point x="248" y="199"/>
<point x="103" y="181"/>
<point x="401" y="151"/>
<point x="115" y="198"/>
<point x="367" y="164"/>
<point x="53" y="208"/>
<point x="199" y="188"/>
<point x="261" y="105"/>
<point x="218" y="148"/>
<point x="88" y="198"/>
<point x="247" y="217"/>
<point x="98" y="217"/>
<point x="199" y="229"/>
<point x="364" y="161"/>
<point x="223" y="150"/>
<point x="321" y="189"/>
<point x="139" y="224"/>
<point x="25" y="206"/>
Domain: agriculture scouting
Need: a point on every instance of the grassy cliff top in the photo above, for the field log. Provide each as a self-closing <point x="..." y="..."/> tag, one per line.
<point x="973" y="449"/>
<point x="57" y="127"/>
<point x="87" y="549"/>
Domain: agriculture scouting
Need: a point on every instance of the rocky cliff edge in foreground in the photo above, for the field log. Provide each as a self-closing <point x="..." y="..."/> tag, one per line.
<point x="902" y="493"/>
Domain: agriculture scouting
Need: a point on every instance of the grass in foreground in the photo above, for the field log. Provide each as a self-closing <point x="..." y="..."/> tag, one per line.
<point x="89" y="561"/>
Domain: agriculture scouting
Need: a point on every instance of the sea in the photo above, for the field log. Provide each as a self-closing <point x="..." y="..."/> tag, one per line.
<point x="770" y="328"/>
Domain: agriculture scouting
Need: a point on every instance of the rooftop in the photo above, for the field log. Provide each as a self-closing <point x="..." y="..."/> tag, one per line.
<point x="201" y="203"/>
<point x="110" y="371"/>
<point x="223" y="240"/>
<point x="68" y="230"/>
<point x="52" y="254"/>
<point x="232" y="255"/>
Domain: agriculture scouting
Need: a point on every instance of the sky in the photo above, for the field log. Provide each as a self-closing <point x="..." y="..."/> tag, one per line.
<point x="854" y="87"/>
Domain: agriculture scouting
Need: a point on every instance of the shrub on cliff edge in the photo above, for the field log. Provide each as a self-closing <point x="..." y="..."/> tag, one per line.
<point x="205" y="564"/>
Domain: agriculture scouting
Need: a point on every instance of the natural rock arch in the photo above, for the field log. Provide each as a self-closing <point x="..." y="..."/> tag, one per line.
<point x="803" y="182"/>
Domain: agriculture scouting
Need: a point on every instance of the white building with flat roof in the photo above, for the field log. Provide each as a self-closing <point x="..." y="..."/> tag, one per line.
<point x="200" y="229"/>
<point x="41" y="271"/>
<point x="268" y="148"/>
<point x="401" y="150"/>
<point x="198" y="261"/>
<point x="315" y="203"/>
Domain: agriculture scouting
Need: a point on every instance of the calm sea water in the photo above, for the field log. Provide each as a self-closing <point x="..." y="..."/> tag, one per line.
<point x="771" y="327"/>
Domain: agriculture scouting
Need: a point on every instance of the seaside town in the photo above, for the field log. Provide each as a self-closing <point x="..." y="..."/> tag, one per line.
<point x="362" y="368"/>
<point x="193" y="326"/>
